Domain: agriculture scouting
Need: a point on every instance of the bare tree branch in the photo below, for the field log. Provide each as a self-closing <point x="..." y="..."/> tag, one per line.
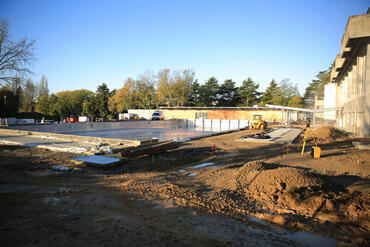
<point x="15" y="57"/>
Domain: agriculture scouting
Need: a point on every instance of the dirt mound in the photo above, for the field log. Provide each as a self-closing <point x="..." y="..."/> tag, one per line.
<point x="270" y="178"/>
<point x="325" y="133"/>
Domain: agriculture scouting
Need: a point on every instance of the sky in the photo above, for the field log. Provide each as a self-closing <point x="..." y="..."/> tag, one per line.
<point x="81" y="44"/>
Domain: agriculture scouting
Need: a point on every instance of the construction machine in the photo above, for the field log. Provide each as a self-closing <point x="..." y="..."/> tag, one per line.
<point x="258" y="123"/>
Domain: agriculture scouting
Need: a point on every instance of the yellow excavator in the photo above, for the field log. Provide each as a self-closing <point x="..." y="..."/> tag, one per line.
<point x="258" y="123"/>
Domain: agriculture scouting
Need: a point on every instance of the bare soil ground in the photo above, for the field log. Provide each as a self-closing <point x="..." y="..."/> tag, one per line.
<point x="170" y="203"/>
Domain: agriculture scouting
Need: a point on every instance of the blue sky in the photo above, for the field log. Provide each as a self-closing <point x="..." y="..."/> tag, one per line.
<point x="80" y="44"/>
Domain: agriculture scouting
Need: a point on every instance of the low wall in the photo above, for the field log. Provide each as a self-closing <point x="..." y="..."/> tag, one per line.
<point x="215" y="125"/>
<point x="77" y="127"/>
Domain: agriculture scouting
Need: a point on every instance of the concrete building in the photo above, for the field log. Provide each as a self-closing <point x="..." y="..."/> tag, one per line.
<point x="351" y="75"/>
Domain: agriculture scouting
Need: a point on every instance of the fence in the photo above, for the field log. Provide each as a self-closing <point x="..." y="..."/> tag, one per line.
<point x="214" y="125"/>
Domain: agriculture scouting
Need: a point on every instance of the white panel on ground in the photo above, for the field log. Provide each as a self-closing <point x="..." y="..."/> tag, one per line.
<point x="96" y="159"/>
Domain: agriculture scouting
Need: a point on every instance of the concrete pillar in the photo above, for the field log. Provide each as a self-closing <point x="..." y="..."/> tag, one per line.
<point x="282" y="115"/>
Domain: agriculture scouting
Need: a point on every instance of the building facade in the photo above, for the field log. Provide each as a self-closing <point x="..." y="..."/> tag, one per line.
<point x="351" y="77"/>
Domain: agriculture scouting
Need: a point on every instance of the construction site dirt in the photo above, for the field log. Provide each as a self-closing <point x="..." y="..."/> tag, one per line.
<point x="212" y="191"/>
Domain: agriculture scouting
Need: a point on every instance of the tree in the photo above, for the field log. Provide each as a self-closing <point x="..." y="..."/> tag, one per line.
<point x="16" y="88"/>
<point x="15" y="56"/>
<point x="181" y="86"/>
<point x="43" y="87"/>
<point x="29" y="97"/>
<point x="296" y="101"/>
<point x="228" y="94"/>
<point x="8" y="102"/>
<point x="209" y="92"/>
<point x="194" y="94"/>
<point x="316" y="88"/>
<point x="248" y="92"/>
<point x="286" y="90"/>
<point x="271" y="91"/>
<point x="123" y="99"/>
<point x="68" y="103"/>
<point x="144" y="91"/>
<point x="42" y="105"/>
<point x="164" y="94"/>
<point x="88" y="106"/>
<point x="173" y="89"/>
<point x="102" y="96"/>
<point x="52" y="111"/>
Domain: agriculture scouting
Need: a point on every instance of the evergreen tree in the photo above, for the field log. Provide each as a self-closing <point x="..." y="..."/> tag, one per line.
<point x="271" y="91"/>
<point x="228" y="94"/>
<point x="316" y="88"/>
<point x="248" y="92"/>
<point x="102" y="96"/>
<point x="209" y="92"/>
<point x="194" y="94"/>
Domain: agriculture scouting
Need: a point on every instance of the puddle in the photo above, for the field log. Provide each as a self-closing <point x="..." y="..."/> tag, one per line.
<point x="202" y="165"/>
<point x="61" y="168"/>
<point x="312" y="240"/>
<point x="182" y="170"/>
<point x="256" y="220"/>
<point x="52" y="200"/>
<point x="192" y="174"/>
<point x="68" y="190"/>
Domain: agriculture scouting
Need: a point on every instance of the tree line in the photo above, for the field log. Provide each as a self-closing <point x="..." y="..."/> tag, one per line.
<point x="19" y="94"/>
<point x="149" y="91"/>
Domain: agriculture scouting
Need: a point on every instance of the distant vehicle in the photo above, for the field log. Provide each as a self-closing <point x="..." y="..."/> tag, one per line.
<point x="72" y="119"/>
<point x="157" y="115"/>
<point x="82" y="119"/>
<point x="134" y="116"/>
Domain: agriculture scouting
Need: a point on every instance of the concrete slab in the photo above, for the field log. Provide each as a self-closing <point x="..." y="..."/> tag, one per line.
<point x="53" y="144"/>
<point x="278" y="135"/>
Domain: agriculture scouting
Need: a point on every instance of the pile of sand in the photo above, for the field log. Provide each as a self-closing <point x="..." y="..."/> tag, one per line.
<point x="327" y="133"/>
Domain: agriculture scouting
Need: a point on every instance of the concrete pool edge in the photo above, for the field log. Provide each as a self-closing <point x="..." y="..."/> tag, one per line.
<point x="81" y="138"/>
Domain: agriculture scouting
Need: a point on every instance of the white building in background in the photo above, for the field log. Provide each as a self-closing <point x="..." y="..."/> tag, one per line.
<point x="330" y="93"/>
<point x="351" y="75"/>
